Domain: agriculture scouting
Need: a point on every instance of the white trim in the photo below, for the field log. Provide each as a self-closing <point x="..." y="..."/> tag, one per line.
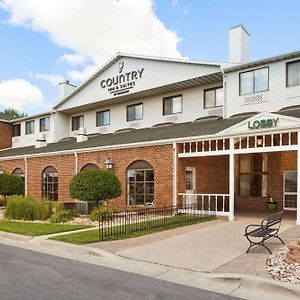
<point x="174" y="174"/>
<point x="231" y="181"/>
<point x="26" y="175"/>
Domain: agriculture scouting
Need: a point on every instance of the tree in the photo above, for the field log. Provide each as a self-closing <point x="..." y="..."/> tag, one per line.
<point x="95" y="185"/>
<point x="11" y="185"/>
<point x="14" y="113"/>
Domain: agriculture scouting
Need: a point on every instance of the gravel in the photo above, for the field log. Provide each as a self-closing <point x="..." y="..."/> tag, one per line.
<point x="282" y="271"/>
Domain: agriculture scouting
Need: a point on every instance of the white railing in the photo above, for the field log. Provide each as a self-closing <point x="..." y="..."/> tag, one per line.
<point x="216" y="204"/>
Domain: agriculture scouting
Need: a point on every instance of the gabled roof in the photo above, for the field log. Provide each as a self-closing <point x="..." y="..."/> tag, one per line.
<point x="125" y="55"/>
<point x="257" y="63"/>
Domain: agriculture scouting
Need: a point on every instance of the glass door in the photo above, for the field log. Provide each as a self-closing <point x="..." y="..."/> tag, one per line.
<point x="290" y="190"/>
<point x="190" y="185"/>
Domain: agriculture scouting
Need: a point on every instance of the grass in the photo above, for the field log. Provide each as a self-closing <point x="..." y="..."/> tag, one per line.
<point x="92" y="236"/>
<point x="35" y="229"/>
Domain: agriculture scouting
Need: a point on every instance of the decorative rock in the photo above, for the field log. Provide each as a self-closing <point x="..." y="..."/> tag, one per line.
<point x="279" y="267"/>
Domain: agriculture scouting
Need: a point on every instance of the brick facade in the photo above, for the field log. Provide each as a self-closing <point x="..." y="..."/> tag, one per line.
<point x="6" y="135"/>
<point x="160" y="157"/>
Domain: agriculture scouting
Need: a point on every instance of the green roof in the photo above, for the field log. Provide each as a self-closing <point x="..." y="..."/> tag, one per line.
<point x="181" y="130"/>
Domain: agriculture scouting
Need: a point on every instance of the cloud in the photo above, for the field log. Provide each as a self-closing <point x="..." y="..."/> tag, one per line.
<point x="72" y="59"/>
<point x="97" y="29"/>
<point x="51" y="78"/>
<point x="185" y="10"/>
<point x="81" y="75"/>
<point x="174" y="3"/>
<point x="19" y="94"/>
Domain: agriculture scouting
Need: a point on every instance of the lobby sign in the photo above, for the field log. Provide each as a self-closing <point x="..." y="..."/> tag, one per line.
<point x="123" y="82"/>
<point x="264" y="123"/>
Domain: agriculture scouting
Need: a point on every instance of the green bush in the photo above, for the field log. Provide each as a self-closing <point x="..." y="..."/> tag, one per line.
<point x="103" y="209"/>
<point x="62" y="216"/>
<point x="26" y="208"/>
<point x="95" y="185"/>
<point x="11" y="185"/>
<point x="2" y="201"/>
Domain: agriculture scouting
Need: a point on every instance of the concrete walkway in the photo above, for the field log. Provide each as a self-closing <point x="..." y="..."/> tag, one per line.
<point x="205" y="248"/>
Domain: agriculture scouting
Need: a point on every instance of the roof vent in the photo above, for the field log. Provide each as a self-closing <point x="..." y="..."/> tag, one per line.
<point x="208" y="118"/>
<point x="163" y="124"/>
<point x="82" y="136"/>
<point x="41" y="141"/>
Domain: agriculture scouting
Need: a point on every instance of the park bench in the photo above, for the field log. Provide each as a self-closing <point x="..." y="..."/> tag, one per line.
<point x="258" y="234"/>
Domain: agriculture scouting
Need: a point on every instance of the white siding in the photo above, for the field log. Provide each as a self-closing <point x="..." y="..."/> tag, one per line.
<point x="152" y="112"/>
<point x="277" y="97"/>
<point x="155" y="74"/>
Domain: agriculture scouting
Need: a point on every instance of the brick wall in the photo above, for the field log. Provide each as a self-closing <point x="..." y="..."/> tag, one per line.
<point x="6" y="135"/>
<point x="160" y="157"/>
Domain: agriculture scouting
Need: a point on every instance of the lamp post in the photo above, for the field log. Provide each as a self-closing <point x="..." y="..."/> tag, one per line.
<point x="109" y="164"/>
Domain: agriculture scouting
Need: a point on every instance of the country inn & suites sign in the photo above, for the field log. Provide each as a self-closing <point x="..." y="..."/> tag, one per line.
<point x="123" y="82"/>
<point x="263" y="123"/>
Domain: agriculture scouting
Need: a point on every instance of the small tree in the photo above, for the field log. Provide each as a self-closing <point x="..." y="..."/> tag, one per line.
<point x="95" y="185"/>
<point x="11" y="185"/>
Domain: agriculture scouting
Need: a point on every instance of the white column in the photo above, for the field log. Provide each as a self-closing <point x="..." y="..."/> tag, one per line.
<point x="174" y="174"/>
<point x="298" y="179"/>
<point x="26" y="175"/>
<point x="231" y="181"/>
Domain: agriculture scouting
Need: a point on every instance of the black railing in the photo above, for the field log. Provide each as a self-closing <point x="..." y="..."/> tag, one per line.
<point x="136" y="221"/>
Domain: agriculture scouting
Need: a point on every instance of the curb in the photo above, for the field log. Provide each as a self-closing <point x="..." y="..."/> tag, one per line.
<point x="237" y="285"/>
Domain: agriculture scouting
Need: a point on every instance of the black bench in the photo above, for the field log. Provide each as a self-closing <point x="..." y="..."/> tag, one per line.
<point x="269" y="228"/>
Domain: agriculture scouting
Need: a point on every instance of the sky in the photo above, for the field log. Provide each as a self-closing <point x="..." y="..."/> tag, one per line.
<point x="44" y="42"/>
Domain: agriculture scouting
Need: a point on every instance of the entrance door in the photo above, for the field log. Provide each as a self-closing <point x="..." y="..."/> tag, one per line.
<point x="190" y="185"/>
<point x="290" y="190"/>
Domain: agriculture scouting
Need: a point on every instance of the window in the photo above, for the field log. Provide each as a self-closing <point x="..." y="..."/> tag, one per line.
<point x="140" y="183"/>
<point x="89" y="166"/>
<point x="254" y="81"/>
<point x="103" y="118"/>
<point x="77" y="122"/>
<point x="19" y="172"/>
<point x="50" y="184"/>
<point x="172" y="105"/>
<point x="213" y="97"/>
<point x="16" y="130"/>
<point x="293" y="73"/>
<point x="253" y="175"/>
<point x="45" y="124"/>
<point x="29" y="127"/>
<point x="135" y="112"/>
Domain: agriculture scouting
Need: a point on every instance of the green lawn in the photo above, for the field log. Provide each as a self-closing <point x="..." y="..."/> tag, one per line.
<point x="34" y="229"/>
<point x="92" y="236"/>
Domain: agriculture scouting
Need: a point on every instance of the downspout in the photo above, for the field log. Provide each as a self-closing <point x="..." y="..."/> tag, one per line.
<point x="26" y="175"/>
<point x="174" y="174"/>
<point x="225" y="92"/>
<point x="76" y="162"/>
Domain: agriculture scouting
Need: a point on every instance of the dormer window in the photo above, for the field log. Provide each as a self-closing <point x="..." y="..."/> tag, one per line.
<point x="16" y="130"/>
<point x="45" y="124"/>
<point x="77" y="122"/>
<point x="213" y="97"/>
<point x="254" y="81"/>
<point x="29" y="127"/>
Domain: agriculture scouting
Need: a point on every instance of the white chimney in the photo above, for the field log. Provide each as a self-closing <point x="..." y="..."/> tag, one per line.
<point x="41" y="141"/>
<point x="65" y="88"/>
<point x="239" y="40"/>
<point x="82" y="136"/>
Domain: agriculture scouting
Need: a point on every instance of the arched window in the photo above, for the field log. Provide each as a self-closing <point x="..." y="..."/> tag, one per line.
<point x="18" y="172"/>
<point x="140" y="183"/>
<point x="1" y="170"/>
<point x="50" y="183"/>
<point x="89" y="167"/>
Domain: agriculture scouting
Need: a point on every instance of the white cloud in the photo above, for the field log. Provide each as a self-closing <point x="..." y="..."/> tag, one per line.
<point x="51" y="78"/>
<point x="81" y="75"/>
<point x="72" y="59"/>
<point x="97" y="29"/>
<point x="19" y="94"/>
<point x="174" y="2"/>
<point x="185" y="10"/>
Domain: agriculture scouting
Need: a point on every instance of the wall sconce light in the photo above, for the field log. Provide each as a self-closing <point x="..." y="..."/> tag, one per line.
<point x="109" y="164"/>
<point x="259" y="141"/>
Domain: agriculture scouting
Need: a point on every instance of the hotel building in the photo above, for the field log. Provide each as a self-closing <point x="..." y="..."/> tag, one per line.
<point x="224" y="136"/>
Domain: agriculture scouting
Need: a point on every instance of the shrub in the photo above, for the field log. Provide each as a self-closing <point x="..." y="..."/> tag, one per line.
<point x="26" y="208"/>
<point x="104" y="209"/>
<point x="95" y="185"/>
<point x="2" y="201"/>
<point x="62" y="216"/>
<point x="11" y="185"/>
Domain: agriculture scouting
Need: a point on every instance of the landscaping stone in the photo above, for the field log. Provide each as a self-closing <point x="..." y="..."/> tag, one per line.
<point x="280" y="269"/>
